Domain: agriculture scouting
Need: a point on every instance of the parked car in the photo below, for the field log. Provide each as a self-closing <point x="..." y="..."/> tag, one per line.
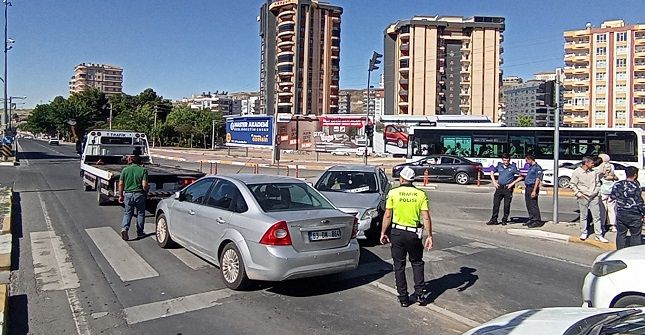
<point x="257" y="227"/>
<point x="443" y="168"/>
<point x="565" y="172"/>
<point x="565" y="321"/>
<point x="54" y="141"/>
<point x="359" y="189"/>
<point x="396" y="134"/>
<point x="616" y="279"/>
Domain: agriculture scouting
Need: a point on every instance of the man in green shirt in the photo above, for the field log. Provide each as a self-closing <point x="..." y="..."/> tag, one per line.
<point x="133" y="185"/>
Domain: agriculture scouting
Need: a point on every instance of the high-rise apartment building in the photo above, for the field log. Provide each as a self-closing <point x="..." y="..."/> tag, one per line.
<point x="300" y="57"/>
<point x="605" y="75"/>
<point x="530" y="104"/>
<point x="106" y="78"/>
<point x="443" y="65"/>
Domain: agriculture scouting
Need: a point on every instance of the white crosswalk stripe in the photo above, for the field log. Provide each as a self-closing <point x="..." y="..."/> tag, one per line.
<point x="52" y="267"/>
<point x="127" y="264"/>
<point x="189" y="259"/>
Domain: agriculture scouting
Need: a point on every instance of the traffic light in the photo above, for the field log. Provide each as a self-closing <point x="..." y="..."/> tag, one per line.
<point x="375" y="61"/>
<point x="369" y="130"/>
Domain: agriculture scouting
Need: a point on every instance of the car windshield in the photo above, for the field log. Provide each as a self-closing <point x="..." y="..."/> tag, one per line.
<point x="278" y="197"/>
<point x="348" y="182"/>
<point x="620" y="322"/>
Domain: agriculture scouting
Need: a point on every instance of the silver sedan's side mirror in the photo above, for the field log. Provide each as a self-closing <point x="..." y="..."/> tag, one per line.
<point x="177" y="195"/>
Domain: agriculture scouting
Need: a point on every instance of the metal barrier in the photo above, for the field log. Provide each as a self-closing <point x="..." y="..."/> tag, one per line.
<point x="6" y="151"/>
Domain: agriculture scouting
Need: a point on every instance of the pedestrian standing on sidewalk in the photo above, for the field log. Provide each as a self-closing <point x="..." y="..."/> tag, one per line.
<point x="608" y="205"/>
<point x="531" y="192"/>
<point x="585" y="184"/>
<point x="406" y="209"/>
<point x="133" y="186"/>
<point x="508" y="176"/>
<point x="630" y="209"/>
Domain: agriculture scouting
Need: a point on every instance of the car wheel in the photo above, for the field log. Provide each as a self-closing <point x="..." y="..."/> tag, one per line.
<point x="400" y="143"/>
<point x="161" y="232"/>
<point x="231" y="266"/>
<point x="462" y="178"/>
<point x="563" y="182"/>
<point x="630" y="301"/>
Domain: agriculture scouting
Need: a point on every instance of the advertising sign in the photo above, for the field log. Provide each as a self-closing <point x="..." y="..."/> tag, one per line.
<point x="249" y="131"/>
<point x="342" y="121"/>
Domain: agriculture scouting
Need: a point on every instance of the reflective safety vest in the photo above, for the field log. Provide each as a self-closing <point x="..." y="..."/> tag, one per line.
<point x="406" y="203"/>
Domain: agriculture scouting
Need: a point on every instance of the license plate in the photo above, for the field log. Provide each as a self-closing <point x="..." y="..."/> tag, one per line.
<point x="324" y="235"/>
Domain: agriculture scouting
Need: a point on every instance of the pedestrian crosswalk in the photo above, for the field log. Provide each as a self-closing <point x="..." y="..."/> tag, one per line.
<point x="54" y="271"/>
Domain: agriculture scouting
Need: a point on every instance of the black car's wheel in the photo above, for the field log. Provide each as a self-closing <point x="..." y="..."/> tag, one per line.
<point x="462" y="178"/>
<point x="161" y="232"/>
<point x="630" y="301"/>
<point x="231" y="266"/>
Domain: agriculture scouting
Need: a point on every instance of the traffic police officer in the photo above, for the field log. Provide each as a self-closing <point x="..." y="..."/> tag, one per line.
<point x="405" y="208"/>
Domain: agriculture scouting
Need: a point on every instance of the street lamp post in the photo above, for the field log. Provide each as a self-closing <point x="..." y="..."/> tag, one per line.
<point x="6" y="48"/>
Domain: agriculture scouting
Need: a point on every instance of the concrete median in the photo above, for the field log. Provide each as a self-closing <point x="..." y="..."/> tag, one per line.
<point x="6" y="239"/>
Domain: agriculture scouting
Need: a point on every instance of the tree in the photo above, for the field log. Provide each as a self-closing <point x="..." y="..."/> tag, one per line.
<point x="140" y="119"/>
<point x="41" y="120"/>
<point x="525" y="121"/>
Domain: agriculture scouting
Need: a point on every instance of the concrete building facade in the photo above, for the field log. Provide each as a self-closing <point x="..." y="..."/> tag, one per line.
<point x="529" y="101"/>
<point x="605" y="75"/>
<point x="106" y="78"/>
<point x="443" y="65"/>
<point x="216" y="102"/>
<point x="300" y="57"/>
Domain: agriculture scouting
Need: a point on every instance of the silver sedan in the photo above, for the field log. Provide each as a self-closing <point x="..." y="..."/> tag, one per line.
<point x="257" y="227"/>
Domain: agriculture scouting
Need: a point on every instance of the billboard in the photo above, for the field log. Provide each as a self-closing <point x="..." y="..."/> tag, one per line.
<point x="249" y="131"/>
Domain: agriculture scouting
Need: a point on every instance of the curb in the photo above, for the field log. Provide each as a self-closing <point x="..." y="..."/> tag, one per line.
<point x="547" y="191"/>
<point x="6" y="239"/>
<point x="562" y="238"/>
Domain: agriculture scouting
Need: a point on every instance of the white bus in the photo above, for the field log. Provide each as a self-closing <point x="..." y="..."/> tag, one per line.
<point x="486" y="144"/>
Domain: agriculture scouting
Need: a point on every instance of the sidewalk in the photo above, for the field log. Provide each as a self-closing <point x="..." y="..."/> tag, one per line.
<point x="565" y="232"/>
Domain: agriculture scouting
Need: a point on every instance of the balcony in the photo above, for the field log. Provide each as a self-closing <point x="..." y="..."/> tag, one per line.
<point x="639" y="53"/>
<point x="640" y="66"/>
<point x="405" y="47"/>
<point x="571" y="70"/>
<point x="465" y="51"/>
<point x="576" y="119"/>
<point x="464" y="93"/>
<point x="640" y="93"/>
<point x="286" y="44"/>
<point x="576" y="58"/>
<point x="290" y="22"/>
<point x="464" y="103"/>
<point x="285" y="83"/>
<point x="568" y="94"/>
<point x="404" y="81"/>
<point x="286" y="33"/>
<point x="639" y="80"/>
<point x="287" y="12"/>
<point x="639" y="40"/>
<point x="403" y="93"/>
<point x="285" y="94"/>
<point x="576" y="108"/>
<point x="577" y="45"/>
<point x="285" y="104"/>
<point x="639" y="119"/>
<point x="403" y="103"/>
<point x="464" y="70"/>
<point x="639" y="105"/>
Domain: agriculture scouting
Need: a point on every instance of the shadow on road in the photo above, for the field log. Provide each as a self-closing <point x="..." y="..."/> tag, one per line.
<point x="16" y="231"/>
<point x="31" y="155"/>
<point x="461" y="281"/>
<point x="18" y="311"/>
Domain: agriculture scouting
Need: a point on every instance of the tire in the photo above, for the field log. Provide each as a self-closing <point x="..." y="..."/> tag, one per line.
<point x="462" y="178"/>
<point x="231" y="267"/>
<point x="400" y="144"/>
<point x="630" y="301"/>
<point x="563" y="182"/>
<point x="162" y="235"/>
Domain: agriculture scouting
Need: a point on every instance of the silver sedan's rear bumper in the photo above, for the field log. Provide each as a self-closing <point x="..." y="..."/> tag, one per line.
<point x="276" y="263"/>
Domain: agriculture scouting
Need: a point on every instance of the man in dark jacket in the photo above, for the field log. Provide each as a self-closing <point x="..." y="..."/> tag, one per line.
<point x="630" y="209"/>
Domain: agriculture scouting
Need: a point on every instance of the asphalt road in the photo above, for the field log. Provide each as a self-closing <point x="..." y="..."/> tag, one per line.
<point x="73" y="275"/>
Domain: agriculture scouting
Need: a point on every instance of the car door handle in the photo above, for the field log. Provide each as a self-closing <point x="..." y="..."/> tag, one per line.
<point x="191" y="212"/>
<point x="220" y="221"/>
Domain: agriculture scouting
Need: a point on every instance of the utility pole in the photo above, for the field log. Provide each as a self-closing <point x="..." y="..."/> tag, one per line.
<point x="6" y="48"/>
<point x="110" y="102"/>
<point x="369" y="129"/>
<point x="556" y="147"/>
<point x="213" y="136"/>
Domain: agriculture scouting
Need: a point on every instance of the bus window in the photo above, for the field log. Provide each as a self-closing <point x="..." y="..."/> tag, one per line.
<point x="521" y="145"/>
<point x="544" y="147"/>
<point x="575" y="145"/>
<point x="456" y="145"/>
<point x="621" y="146"/>
<point x="488" y="145"/>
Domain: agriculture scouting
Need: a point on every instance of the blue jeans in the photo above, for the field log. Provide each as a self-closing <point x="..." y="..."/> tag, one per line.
<point x="131" y="201"/>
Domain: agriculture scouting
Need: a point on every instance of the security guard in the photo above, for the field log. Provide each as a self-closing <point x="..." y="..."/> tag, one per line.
<point x="406" y="206"/>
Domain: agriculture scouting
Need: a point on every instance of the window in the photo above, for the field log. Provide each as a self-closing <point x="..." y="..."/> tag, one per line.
<point x="600" y="76"/>
<point x="601" y="38"/>
<point x="348" y="182"/>
<point x="622" y="75"/>
<point x="622" y="146"/>
<point x="621" y="101"/>
<point x="621" y="49"/>
<point x="621" y="37"/>
<point x="601" y="88"/>
<point x="601" y="51"/>
<point x="600" y="101"/>
<point x="225" y="194"/>
<point x="280" y="197"/>
<point x="621" y="62"/>
<point x="520" y="145"/>
<point x="575" y="145"/>
<point x="621" y="114"/>
<point x="621" y="88"/>
<point x="488" y="145"/>
<point x="601" y="63"/>
<point x="456" y="145"/>
<point x="196" y="192"/>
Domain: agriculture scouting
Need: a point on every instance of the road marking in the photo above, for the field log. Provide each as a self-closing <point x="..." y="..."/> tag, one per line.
<point x="452" y="252"/>
<point x="189" y="259"/>
<point x="127" y="264"/>
<point x="78" y="314"/>
<point x="162" y="309"/>
<point x="52" y="268"/>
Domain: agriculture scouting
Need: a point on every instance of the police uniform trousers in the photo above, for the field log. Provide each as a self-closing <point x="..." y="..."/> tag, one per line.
<point x="404" y="243"/>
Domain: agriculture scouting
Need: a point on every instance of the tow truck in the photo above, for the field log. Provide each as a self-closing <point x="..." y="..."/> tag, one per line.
<point x="105" y="155"/>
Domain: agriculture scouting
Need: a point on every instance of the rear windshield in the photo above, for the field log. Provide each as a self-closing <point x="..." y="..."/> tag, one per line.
<point x="278" y="197"/>
<point x="348" y="182"/>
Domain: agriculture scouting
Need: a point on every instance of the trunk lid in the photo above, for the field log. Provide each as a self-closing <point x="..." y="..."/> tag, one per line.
<point x="312" y="230"/>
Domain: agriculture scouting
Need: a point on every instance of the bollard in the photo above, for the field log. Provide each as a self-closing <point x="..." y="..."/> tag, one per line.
<point x="287" y="170"/>
<point x="201" y="166"/>
<point x="216" y="164"/>
<point x="425" y="177"/>
<point x="479" y="178"/>
<point x="257" y="168"/>
<point x="297" y="172"/>
<point x="211" y="168"/>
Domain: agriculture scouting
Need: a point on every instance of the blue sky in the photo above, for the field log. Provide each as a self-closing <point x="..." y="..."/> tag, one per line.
<point x="184" y="47"/>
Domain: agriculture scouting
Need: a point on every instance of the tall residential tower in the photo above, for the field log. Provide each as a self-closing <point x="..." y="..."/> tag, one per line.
<point x="443" y="65"/>
<point x="300" y="57"/>
<point x="106" y="78"/>
<point x="605" y="76"/>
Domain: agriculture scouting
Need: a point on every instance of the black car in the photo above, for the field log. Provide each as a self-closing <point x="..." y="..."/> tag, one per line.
<point x="443" y="168"/>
